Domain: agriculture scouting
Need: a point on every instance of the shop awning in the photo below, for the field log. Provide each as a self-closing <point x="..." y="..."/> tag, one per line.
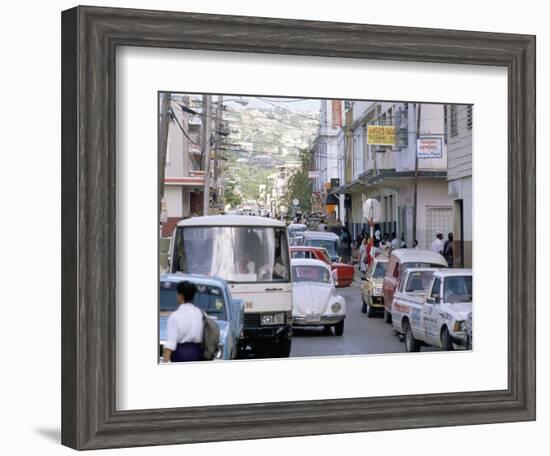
<point x="332" y="199"/>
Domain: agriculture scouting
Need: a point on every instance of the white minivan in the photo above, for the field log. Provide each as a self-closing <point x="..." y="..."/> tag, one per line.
<point x="252" y="255"/>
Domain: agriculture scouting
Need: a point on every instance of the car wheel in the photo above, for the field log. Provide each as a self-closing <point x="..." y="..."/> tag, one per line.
<point x="339" y="328"/>
<point x="411" y="344"/>
<point x="370" y="311"/>
<point x="446" y="343"/>
<point x="281" y="349"/>
<point x="387" y="316"/>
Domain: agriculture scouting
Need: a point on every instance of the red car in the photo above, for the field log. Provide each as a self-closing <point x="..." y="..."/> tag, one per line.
<point x="344" y="272"/>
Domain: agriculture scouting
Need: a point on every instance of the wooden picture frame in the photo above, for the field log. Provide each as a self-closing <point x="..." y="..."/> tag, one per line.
<point x="90" y="37"/>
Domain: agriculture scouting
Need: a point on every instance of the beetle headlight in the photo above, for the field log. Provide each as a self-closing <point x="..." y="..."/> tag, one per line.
<point x="273" y="319"/>
<point x="336" y="307"/>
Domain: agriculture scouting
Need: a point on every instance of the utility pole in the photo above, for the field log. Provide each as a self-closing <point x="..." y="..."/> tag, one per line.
<point x="164" y="123"/>
<point x="217" y="129"/>
<point x="205" y="149"/>
<point x="415" y="191"/>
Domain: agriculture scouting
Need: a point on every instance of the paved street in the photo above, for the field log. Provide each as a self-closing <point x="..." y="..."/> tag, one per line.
<point x="362" y="335"/>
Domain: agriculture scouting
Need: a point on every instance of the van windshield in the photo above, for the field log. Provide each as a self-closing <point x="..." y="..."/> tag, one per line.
<point x="234" y="253"/>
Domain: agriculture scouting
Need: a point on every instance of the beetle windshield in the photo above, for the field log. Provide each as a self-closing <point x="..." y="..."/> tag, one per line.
<point x="458" y="289"/>
<point x="234" y="253"/>
<point x="310" y="274"/>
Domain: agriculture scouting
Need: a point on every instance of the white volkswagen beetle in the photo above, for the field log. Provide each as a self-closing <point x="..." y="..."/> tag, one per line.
<point x="314" y="298"/>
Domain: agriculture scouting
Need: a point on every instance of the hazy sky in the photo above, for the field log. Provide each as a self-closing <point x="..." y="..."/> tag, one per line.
<point x="293" y="104"/>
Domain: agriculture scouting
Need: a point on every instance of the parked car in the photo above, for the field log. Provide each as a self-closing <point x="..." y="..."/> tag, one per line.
<point x="315" y="302"/>
<point x="410" y="294"/>
<point x="324" y="239"/>
<point x="295" y="229"/>
<point x="400" y="260"/>
<point x="441" y="320"/>
<point x="371" y="288"/>
<point x="344" y="272"/>
<point x="214" y="298"/>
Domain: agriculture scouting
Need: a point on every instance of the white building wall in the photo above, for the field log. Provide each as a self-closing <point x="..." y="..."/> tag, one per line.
<point x="174" y="201"/>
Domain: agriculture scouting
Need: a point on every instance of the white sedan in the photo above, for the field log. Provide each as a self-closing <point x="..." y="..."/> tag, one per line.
<point x="314" y="298"/>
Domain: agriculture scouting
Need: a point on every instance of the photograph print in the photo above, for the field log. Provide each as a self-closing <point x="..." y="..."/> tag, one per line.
<point x="300" y="227"/>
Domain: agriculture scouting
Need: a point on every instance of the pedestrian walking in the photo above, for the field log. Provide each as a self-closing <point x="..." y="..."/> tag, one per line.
<point x="415" y="244"/>
<point x="448" y="250"/>
<point x="322" y="226"/>
<point x="437" y="244"/>
<point x="354" y="253"/>
<point x="402" y="243"/>
<point x="376" y="249"/>
<point x="345" y="246"/>
<point x="184" y="328"/>
<point x="394" y="241"/>
<point x="363" y="258"/>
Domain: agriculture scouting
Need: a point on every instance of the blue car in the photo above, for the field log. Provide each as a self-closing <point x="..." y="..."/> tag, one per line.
<point x="214" y="298"/>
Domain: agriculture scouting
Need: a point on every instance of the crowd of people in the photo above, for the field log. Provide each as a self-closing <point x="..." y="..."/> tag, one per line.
<point x="365" y="247"/>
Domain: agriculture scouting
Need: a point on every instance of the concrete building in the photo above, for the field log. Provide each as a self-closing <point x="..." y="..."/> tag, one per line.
<point x="184" y="179"/>
<point x="459" y="177"/>
<point x="388" y="174"/>
<point x="325" y="160"/>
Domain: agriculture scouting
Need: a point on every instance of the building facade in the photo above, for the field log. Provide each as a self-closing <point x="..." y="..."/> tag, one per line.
<point x="459" y="178"/>
<point x="325" y="158"/>
<point x="184" y="177"/>
<point x="392" y="174"/>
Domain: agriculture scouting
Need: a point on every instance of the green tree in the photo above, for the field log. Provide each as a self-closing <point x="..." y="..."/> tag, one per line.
<point x="299" y="184"/>
<point x="232" y="197"/>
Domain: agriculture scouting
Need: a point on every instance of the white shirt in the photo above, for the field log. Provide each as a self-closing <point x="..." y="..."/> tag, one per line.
<point x="437" y="245"/>
<point x="184" y="325"/>
<point x="321" y="227"/>
<point x="395" y="243"/>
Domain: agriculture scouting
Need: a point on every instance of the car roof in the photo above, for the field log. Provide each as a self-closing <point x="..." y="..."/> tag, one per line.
<point x="453" y="272"/>
<point x="195" y="278"/>
<point x="308" y="262"/>
<point x="407" y="255"/>
<point x="297" y="225"/>
<point x="320" y="235"/>
<point x="421" y="269"/>
<point x="231" y="220"/>
<point x="306" y="247"/>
